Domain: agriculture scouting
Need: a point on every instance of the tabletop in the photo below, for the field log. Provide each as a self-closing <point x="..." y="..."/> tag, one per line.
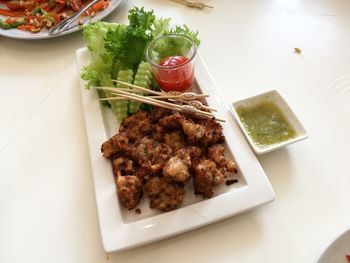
<point x="47" y="202"/>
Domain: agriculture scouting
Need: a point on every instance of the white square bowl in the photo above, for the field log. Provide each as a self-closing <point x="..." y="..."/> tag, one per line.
<point x="274" y="97"/>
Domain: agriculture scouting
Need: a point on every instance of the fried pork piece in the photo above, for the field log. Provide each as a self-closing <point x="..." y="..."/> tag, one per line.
<point x="129" y="190"/>
<point x="161" y="154"/>
<point x="178" y="167"/>
<point x="142" y="150"/>
<point x="217" y="154"/>
<point x="123" y="166"/>
<point x="206" y="176"/>
<point x="175" y="140"/>
<point x="207" y="132"/>
<point x="137" y="125"/>
<point x="119" y="143"/>
<point x="171" y="122"/>
<point x="129" y="187"/>
<point x="159" y="113"/>
<point x="194" y="152"/>
<point x="143" y="173"/>
<point x="195" y="132"/>
<point x="167" y="125"/>
<point x="164" y="195"/>
<point x="213" y="133"/>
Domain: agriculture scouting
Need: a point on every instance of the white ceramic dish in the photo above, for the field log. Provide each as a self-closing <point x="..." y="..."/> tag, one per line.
<point x="120" y="228"/>
<point x="336" y="251"/>
<point x="275" y="97"/>
<point x="20" y="34"/>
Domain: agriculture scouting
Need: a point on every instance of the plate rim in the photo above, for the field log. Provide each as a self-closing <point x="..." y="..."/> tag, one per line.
<point x="22" y="35"/>
<point x="257" y="190"/>
<point x="333" y="243"/>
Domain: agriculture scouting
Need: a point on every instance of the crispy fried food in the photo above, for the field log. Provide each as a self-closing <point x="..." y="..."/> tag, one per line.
<point x="171" y="122"/>
<point x="117" y="144"/>
<point x="157" y="154"/>
<point x="129" y="186"/>
<point x="142" y="150"/>
<point x="213" y="132"/>
<point x="217" y="154"/>
<point x="129" y="190"/>
<point x="195" y="132"/>
<point x="161" y="154"/>
<point x="164" y="195"/>
<point x="193" y="151"/>
<point x="176" y="168"/>
<point x="205" y="132"/>
<point x="175" y="140"/>
<point x="122" y="165"/>
<point x="159" y="113"/>
<point x="206" y="176"/>
<point x="167" y="125"/>
<point x="137" y="125"/>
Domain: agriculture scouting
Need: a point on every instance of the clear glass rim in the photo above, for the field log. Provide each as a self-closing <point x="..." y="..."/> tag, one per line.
<point x="150" y="60"/>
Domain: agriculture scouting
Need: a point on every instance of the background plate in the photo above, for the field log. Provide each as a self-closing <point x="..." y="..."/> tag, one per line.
<point x="20" y="34"/>
<point x="120" y="228"/>
<point x="336" y="252"/>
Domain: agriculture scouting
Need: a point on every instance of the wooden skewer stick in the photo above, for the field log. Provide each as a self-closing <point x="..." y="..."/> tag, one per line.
<point x="126" y="89"/>
<point x="161" y="104"/>
<point x="113" y="98"/>
<point x="186" y="95"/>
<point x="173" y="98"/>
<point x="138" y="87"/>
<point x="114" y="91"/>
<point x="195" y="103"/>
<point x="198" y="106"/>
<point x="199" y="5"/>
<point x="166" y="105"/>
<point x="164" y="97"/>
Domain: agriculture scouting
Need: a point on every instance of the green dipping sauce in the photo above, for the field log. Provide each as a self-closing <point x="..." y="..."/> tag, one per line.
<point x="266" y="124"/>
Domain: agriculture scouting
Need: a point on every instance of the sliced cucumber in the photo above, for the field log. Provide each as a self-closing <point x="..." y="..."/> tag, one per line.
<point x="143" y="78"/>
<point x="121" y="108"/>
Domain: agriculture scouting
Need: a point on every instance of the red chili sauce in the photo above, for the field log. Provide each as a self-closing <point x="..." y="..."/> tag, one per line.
<point x="180" y="75"/>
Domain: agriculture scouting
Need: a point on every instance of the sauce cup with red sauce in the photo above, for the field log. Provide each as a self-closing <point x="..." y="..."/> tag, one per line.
<point x="172" y="61"/>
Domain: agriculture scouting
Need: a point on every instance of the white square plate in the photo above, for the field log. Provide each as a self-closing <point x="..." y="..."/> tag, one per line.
<point x="121" y="228"/>
<point x="274" y="97"/>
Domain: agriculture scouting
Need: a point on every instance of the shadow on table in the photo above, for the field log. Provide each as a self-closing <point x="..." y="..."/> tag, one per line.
<point x="278" y="167"/>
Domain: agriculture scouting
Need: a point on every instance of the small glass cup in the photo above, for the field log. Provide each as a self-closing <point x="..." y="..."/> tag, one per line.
<point x="172" y="61"/>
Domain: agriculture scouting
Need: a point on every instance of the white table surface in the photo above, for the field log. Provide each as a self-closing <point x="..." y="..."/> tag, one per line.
<point x="47" y="204"/>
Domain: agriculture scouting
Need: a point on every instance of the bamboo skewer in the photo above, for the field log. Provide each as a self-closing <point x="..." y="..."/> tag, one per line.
<point x="185" y="95"/>
<point x="132" y="92"/>
<point x="149" y="91"/>
<point x="199" y="5"/>
<point x="155" y="102"/>
<point x="147" y="99"/>
<point x="188" y="98"/>
<point x="195" y="104"/>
